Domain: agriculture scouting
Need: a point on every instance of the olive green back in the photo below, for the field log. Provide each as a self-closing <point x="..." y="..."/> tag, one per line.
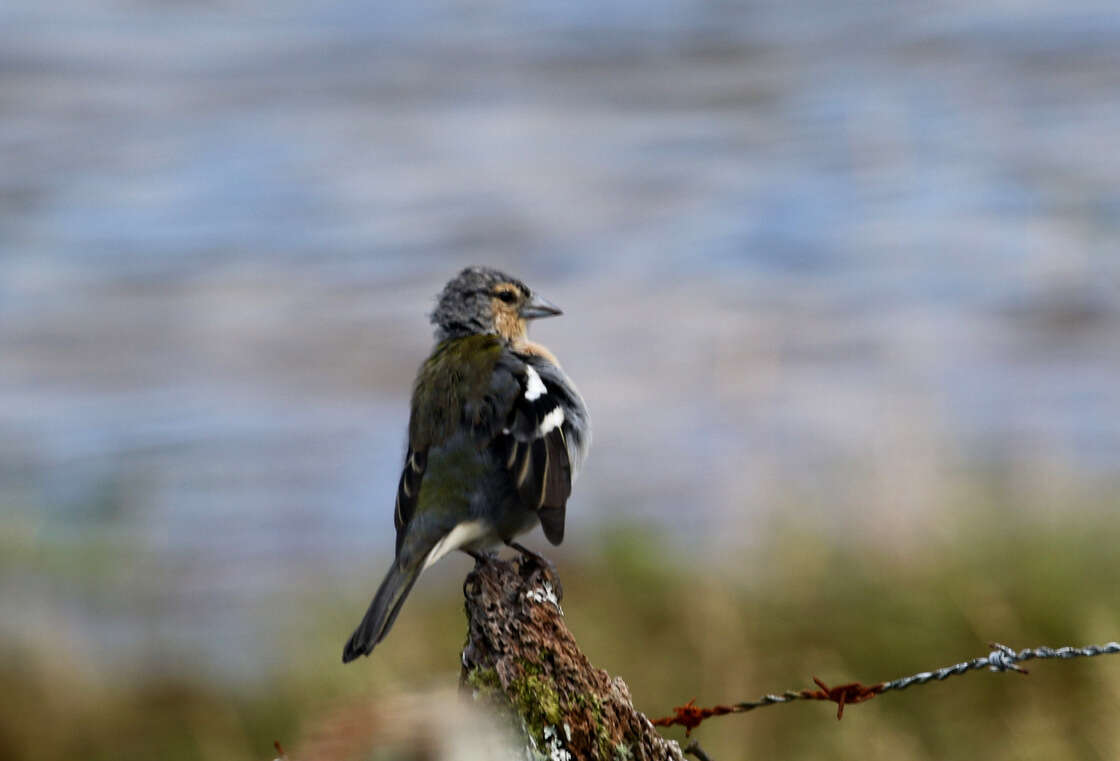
<point x="458" y="371"/>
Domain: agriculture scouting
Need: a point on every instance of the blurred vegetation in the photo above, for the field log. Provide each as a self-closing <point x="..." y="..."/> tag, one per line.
<point x="675" y="625"/>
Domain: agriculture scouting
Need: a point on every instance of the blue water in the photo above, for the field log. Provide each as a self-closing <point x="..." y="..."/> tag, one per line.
<point x="835" y="254"/>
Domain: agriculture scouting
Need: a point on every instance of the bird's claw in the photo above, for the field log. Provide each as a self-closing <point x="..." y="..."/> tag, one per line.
<point x="545" y="564"/>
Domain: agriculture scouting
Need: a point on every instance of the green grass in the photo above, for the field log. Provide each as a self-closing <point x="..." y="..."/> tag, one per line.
<point x="677" y="627"/>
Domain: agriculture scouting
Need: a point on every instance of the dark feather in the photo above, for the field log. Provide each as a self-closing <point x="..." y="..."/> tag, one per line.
<point x="408" y="491"/>
<point x="552" y="521"/>
<point x="558" y="483"/>
<point x="533" y="490"/>
<point x="556" y="487"/>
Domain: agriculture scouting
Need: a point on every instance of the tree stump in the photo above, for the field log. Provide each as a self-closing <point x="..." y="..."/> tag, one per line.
<point x="521" y="658"/>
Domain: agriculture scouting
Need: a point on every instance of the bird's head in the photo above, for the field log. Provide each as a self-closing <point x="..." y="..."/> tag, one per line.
<point x="484" y="300"/>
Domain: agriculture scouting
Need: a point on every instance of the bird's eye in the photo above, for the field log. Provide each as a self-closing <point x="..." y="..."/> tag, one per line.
<point x="507" y="296"/>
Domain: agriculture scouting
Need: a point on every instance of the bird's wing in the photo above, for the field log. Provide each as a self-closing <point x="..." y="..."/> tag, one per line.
<point x="575" y="422"/>
<point x="534" y="443"/>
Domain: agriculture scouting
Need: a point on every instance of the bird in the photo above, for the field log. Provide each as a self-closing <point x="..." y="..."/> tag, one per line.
<point x="496" y="435"/>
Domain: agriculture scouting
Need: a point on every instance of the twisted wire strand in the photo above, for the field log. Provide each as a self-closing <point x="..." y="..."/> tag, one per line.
<point x="1001" y="658"/>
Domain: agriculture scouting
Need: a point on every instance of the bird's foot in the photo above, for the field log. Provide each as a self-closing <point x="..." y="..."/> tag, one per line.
<point x="546" y="564"/>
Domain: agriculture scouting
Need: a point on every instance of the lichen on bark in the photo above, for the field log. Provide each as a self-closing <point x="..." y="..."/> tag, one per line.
<point x="520" y="655"/>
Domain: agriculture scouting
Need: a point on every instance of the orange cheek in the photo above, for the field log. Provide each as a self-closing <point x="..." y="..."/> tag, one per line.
<point x="507" y="322"/>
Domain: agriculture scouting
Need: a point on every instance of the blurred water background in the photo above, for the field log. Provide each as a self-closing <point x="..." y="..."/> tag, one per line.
<point x="834" y="264"/>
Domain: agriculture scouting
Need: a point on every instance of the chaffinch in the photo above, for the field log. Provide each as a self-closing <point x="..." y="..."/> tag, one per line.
<point x="495" y="438"/>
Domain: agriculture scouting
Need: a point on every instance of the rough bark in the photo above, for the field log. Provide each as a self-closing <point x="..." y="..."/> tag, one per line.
<point x="521" y="657"/>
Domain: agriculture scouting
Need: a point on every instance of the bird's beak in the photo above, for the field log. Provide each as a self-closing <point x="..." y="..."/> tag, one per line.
<point x="539" y="307"/>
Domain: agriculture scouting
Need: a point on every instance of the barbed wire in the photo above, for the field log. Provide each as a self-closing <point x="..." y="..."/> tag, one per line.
<point x="1001" y="658"/>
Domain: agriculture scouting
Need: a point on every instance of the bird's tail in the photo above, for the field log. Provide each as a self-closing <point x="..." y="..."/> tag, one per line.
<point x="382" y="611"/>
